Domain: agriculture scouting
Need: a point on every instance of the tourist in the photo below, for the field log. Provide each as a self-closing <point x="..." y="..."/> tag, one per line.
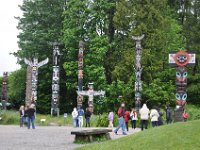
<point x="126" y="118"/>
<point x="110" y="119"/>
<point x="75" y="117"/>
<point x="80" y="117"/>
<point x="154" y="117"/>
<point x="22" y="115"/>
<point x="121" y="122"/>
<point x="31" y="116"/>
<point x="144" y="115"/>
<point x="185" y="116"/>
<point x="168" y="115"/>
<point x="87" y="117"/>
<point x="134" y="118"/>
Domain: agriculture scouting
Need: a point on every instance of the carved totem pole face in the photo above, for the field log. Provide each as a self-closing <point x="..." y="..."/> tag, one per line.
<point x="182" y="58"/>
<point x="181" y="76"/>
<point x="181" y="97"/>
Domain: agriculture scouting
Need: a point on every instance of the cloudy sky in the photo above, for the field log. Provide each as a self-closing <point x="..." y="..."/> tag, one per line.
<point x="8" y="34"/>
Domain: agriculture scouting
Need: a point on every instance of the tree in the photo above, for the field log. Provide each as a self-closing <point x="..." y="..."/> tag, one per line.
<point x="17" y="87"/>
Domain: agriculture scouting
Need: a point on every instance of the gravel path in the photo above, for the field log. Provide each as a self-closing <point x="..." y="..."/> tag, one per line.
<point x="42" y="138"/>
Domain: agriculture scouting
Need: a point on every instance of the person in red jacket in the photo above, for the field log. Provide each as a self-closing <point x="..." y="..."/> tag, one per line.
<point x="121" y="115"/>
<point x="126" y="118"/>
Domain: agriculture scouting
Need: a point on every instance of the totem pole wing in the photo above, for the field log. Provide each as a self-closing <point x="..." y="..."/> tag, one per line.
<point x="44" y="62"/>
<point x="83" y="93"/>
<point x="138" y="38"/>
<point x="28" y="62"/>
<point x="99" y="93"/>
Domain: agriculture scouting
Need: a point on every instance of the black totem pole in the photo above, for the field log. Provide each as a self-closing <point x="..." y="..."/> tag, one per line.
<point x="138" y="71"/>
<point x="4" y="98"/>
<point x="55" y="80"/>
<point x="181" y="60"/>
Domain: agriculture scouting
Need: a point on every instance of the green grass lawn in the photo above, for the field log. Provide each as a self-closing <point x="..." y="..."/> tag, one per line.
<point x="178" y="136"/>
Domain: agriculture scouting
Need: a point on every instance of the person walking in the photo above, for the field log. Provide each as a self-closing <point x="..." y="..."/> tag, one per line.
<point x="87" y="117"/>
<point x="31" y="116"/>
<point x="75" y="117"/>
<point x="168" y="115"/>
<point x="126" y="118"/>
<point x="144" y="115"/>
<point x="80" y="117"/>
<point x="160" y="118"/>
<point x="121" y="122"/>
<point x="154" y="115"/>
<point x="22" y="115"/>
<point x="110" y="119"/>
<point x="134" y="118"/>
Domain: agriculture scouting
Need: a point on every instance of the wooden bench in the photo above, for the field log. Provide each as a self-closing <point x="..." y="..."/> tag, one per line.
<point x="91" y="135"/>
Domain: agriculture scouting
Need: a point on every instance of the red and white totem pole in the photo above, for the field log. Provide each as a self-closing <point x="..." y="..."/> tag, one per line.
<point x="80" y="74"/>
<point x="181" y="60"/>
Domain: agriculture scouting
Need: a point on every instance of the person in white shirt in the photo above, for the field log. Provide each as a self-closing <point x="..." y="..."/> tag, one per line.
<point x="154" y="115"/>
<point x="144" y="115"/>
<point x="75" y="117"/>
<point x="134" y="118"/>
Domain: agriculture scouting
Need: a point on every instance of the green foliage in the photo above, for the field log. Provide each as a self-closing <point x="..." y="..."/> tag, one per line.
<point x="16" y="87"/>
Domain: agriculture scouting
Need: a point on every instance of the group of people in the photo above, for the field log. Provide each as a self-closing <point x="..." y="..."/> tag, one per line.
<point x="27" y="116"/>
<point x="78" y="115"/>
<point x="155" y="115"/>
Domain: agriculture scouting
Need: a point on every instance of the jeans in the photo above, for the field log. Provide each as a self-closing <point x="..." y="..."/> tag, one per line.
<point x="121" y="124"/>
<point x="154" y="123"/>
<point x="144" y="124"/>
<point x="80" y="121"/>
<point x="31" y="121"/>
<point x="133" y="124"/>
<point x="88" y="122"/>
<point x="75" y="122"/>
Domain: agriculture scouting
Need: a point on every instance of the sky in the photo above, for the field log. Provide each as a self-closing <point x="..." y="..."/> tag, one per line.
<point x="8" y="34"/>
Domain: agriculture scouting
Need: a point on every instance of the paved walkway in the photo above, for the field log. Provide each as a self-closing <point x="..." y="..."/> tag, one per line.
<point x="42" y="138"/>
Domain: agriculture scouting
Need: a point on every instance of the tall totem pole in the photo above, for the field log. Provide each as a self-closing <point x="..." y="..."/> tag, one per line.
<point x="138" y="71"/>
<point x="34" y="76"/>
<point x="55" y="81"/>
<point x="180" y="60"/>
<point x="4" y="98"/>
<point x="80" y="73"/>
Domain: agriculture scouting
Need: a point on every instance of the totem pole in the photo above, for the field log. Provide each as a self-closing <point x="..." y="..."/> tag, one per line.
<point x="91" y="93"/>
<point x="4" y="98"/>
<point x="80" y="73"/>
<point x="55" y="81"/>
<point x="180" y="60"/>
<point x="138" y="72"/>
<point x="34" y="76"/>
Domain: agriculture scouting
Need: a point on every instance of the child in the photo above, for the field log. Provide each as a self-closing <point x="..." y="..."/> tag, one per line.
<point x="110" y="119"/>
<point x="134" y="118"/>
